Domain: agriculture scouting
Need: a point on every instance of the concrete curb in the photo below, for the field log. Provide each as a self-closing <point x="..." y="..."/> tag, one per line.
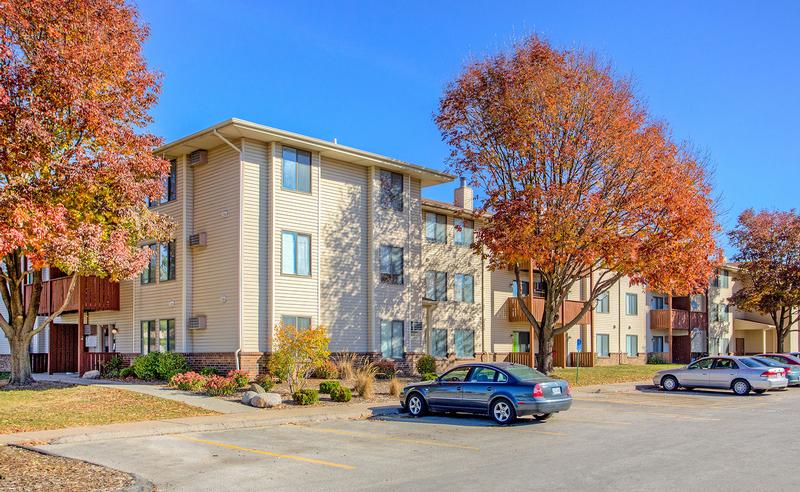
<point x="139" y="484"/>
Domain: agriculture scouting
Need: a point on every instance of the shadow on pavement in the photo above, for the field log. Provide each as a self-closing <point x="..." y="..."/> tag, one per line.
<point x="699" y="392"/>
<point x="457" y="419"/>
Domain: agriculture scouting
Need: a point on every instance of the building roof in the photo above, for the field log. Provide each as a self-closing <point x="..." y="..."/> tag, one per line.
<point x="234" y="129"/>
<point x="449" y="207"/>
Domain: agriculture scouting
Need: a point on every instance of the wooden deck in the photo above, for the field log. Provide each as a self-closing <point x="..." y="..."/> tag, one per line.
<point x="98" y="294"/>
<point x="536" y="305"/>
<point x="681" y="319"/>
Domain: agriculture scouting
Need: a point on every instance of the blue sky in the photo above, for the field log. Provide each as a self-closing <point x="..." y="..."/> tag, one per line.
<point x="725" y="75"/>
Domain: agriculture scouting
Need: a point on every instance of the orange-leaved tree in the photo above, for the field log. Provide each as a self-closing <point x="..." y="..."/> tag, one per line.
<point x="75" y="169"/>
<point x="298" y="352"/>
<point x="768" y="244"/>
<point x="578" y="180"/>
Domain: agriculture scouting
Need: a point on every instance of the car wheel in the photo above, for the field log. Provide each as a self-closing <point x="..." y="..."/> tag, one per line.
<point x="416" y="405"/>
<point x="503" y="412"/>
<point x="669" y="383"/>
<point x="543" y="417"/>
<point x="759" y="392"/>
<point x="740" y="387"/>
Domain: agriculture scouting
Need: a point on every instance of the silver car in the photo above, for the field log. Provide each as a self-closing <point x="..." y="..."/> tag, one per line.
<point x="740" y="374"/>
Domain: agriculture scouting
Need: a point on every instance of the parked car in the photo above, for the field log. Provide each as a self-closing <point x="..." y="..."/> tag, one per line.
<point x="502" y="390"/>
<point x="787" y="359"/>
<point x="740" y="374"/>
<point x="791" y="372"/>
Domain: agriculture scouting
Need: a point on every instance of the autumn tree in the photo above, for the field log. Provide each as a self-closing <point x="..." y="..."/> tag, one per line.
<point x="768" y="245"/>
<point x="578" y="180"/>
<point x="75" y="168"/>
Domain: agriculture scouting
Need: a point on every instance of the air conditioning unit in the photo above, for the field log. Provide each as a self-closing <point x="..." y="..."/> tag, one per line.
<point x="198" y="157"/>
<point x="197" y="323"/>
<point x="198" y="239"/>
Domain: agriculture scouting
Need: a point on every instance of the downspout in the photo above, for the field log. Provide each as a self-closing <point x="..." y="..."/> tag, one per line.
<point x="483" y="309"/>
<point x="619" y="322"/>
<point x="238" y="352"/>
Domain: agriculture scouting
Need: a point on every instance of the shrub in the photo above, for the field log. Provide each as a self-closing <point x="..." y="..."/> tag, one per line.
<point x="385" y="369"/>
<point x="429" y="376"/>
<point x="298" y="354"/>
<point x="188" y="381"/>
<point x="127" y="372"/>
<point x="426" y="364"/>
<point x="114" y="365"/>
<point x="325" y="387"/>
<point x="220" y="386"/>
<point x="145" y="366"/>
<point x="241" y="378"/>
<point x="395" y="387"/>
<point x="365" y="385"/>
<point x="170" y="364"/>
<point x="327" y="370"/>
<point x="346" y="364"/>
<point x="655" y="359"/>
<point x="306" y="396"/>
<point x="341" y="394"/>
<point x="265" y="381"/>
<point x="210" y="371"/>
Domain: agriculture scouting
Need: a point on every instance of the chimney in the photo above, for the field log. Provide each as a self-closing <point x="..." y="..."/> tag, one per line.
<point x="462" y="198"/>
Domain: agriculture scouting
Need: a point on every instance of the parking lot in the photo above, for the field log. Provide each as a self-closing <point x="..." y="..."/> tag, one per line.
<point x="642" y="440"/>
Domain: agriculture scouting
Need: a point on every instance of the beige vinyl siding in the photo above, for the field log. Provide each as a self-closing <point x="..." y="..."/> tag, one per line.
<point x="295" y="212"/>
<point x="255" y="325"/>
<point x="616" y="324"/>
<point x="128" y="336"/>
<point x="343" y="277"/>
<point x="503" y="329"/>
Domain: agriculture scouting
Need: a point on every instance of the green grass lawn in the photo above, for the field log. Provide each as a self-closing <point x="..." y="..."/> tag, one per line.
<point x="611" y="374"/>
<point x="76" y="406"/>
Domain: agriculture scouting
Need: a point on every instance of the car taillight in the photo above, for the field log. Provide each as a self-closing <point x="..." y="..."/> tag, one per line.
<point x="773" y="372"/>
<point x="766" y="374"/>
<point x="537" y="391"/>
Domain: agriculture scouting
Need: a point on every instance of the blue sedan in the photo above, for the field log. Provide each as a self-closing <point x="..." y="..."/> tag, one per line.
<point x="501" y="390"/>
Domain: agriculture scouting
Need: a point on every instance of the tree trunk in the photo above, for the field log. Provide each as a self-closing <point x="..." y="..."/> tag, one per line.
<point x="780" y="336"/>
<point x="21" y="374"/>
<point x="545" y="355"/>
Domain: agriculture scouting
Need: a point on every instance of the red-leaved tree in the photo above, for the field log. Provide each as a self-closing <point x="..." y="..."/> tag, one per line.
<point x="768" y="244"/>
<point x="74" y="168"/>
<point x="579" y="180"/>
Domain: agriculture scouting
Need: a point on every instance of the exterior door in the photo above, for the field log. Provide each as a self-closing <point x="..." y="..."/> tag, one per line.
<point x="447" y="392"/>
<point x="740" y="346"/>
<point x="64" y="348"/>
<point x="697" y="373"/>
<point x="478" y="390"/>
<point x="723" y="373"/>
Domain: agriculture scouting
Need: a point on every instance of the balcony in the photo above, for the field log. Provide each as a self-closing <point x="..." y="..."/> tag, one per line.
<point x="96" y="294"/>
<point x="681" y="319"/>
<point x="536" y="305"/>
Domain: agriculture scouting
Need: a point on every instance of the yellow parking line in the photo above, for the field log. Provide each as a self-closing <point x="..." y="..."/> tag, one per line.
<point x="364" y="435"/>
<point x="268" y="453"/>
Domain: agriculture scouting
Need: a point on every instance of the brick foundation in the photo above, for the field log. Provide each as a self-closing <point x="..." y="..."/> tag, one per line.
<point x="618" y="358"/>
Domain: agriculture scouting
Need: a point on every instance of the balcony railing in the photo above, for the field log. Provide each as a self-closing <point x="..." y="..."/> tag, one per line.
<point x="681" y="319"/>
<point x="536" y="305"/>
<point x="97" y="294"/>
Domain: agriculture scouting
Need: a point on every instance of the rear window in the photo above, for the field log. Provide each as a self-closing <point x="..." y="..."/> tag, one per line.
<point x="524" y="373"/>
<point x="751" y="363"/>
<point x="767" y="362"/>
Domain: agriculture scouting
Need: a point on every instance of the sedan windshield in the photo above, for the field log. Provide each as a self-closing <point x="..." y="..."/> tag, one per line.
<point x="524" y="373"/>
<point x="751" y="362"/>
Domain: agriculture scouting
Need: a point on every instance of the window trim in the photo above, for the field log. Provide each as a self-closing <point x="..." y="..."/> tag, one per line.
<point x="310" y="250"/>
<point x="464" y="228"/>
<point x="603" y="297"/>
<point x="392" y="324"/>
<point x="436" y="224"/>
<point x="151" y="329"/>
<point x="463" y="286"/>
<point x="628" y="338"/>
<point x="598" y="345"/>
<point x="434" y="331"/>
<point x="394" y="276"/>
<point x="382" y="190"/>
<point x="631" y="295"/>
<point x="171" y="265"/>
<point x="170" y="184"/>
<point x="296" y="317"/>
<point x="170" y="330"/>
<point x="435" y="297"/>
<point x="463" y="331"/>
<point x="153" y="266"/>
<point x="310" y="171"/>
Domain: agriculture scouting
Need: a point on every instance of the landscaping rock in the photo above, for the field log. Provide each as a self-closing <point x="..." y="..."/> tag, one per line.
<point x="266" y="400"/>
<point x="247" y="397"/>
<point x="91" y="375"/>
<point x="257" y="388"/>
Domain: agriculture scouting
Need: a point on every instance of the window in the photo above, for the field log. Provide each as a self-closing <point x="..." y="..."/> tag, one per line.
<point x="603" y="303"/>
<point x="436" y="286"/>
<point x="296" y="170"/>
<point x="749" y="363"/>
<point x="521" y="341"/>
<point x="464" y="232"/>
<point x="391" y="190"/>
<point x="631" y="304"/>
<point x="391" y="265"/>
<point x="148" y="341"/>
<point x="439" y="342"/>
<point x="632" y="345"/>
<point x="719" y="312"/>
<point x="166" y="252"/>
<point x="725" y="364"/>
<point x="299" y="322"/>
<point x="166" y="335"/>
<point x="602" y="346"/>
<point x="483" y="375"/>
<point x="658" y="302"/>
<point x="658" y="344"/>
<point x="392" y="339"/>
<point x="525" y="288"/>
<point x="170" y="186"/>
<point x="464" y="341"/>
<point x="295" y="254"/>
<point x="149" y="273"/>
<point x="435" y="227"/>
<point x="464" y="287"/>
<point x="457" y="375"/>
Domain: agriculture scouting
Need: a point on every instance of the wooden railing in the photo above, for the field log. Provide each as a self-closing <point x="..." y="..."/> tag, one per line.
<point x="519" y="358"/>
<point x="586" y="359"/>
<point x="559" y="359"/>
<point x="99" y="294"/>
<point x="681" y="319"/>
<point x="536" y="305"/>
<point x="94" y="361"/>
<point x="38" y="363"/>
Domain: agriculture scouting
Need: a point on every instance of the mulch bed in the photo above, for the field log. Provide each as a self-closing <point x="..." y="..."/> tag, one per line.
<point x="381" y="392"/>
<point x="24" y="470"/>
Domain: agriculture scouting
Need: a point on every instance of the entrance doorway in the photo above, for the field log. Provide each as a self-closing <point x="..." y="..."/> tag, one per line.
<point x="740" y="346"/>
<point x="63" y="348"/>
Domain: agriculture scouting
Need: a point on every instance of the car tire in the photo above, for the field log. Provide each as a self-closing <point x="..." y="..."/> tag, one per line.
<point x="759" y="392"/>
<point x="740" y="387"/>
<point x="669" y="383"/>
<point x="543" y="417"/>
<point x="416" y="405"/>
<point x="502" y="411"/>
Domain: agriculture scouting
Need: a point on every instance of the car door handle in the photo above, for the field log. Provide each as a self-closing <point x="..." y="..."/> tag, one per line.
<point x="488" y="388"/>
<point x="458" y="388"/>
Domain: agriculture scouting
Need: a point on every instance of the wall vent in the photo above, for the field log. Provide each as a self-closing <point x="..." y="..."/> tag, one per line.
<point x="197" y="323"/>
<point x="198" y="157"/>
<point x="198" y="239"/>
